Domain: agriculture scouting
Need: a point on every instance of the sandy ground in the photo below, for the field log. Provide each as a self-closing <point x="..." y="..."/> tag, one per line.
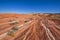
<point x="29" y="27"/>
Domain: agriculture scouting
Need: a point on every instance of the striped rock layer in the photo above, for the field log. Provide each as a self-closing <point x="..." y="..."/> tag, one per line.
<point x="29" y="27"/>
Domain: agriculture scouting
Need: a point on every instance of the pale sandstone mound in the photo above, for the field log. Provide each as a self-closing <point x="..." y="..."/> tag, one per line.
<point x="29" y="27"/>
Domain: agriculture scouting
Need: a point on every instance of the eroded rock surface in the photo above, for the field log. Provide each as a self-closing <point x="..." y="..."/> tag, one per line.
<point x="29" y="27"/>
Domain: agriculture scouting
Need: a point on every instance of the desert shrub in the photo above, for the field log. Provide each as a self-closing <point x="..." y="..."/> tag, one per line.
<point x="15" y="28"/>
<point x="11" y="33"/>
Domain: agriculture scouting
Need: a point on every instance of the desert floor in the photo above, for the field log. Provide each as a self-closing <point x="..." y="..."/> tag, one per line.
<point x="29" y="26"/>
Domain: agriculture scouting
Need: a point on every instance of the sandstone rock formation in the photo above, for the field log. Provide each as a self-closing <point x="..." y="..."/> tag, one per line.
<point x="29" y="27"/>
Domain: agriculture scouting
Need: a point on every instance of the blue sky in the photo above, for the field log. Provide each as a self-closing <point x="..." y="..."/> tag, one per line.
<point x="29" y="6"/>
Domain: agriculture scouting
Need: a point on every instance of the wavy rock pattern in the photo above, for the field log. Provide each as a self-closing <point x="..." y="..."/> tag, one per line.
<point x="29" y="27"/>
